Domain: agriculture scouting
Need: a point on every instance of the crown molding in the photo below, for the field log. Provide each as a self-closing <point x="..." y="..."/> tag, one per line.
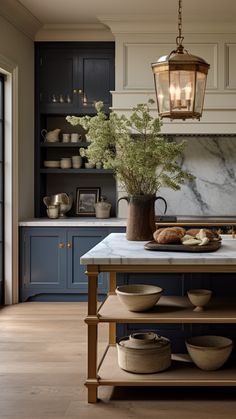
<point x="74" y="32"/>
<point x="161" y="24"/>
<point x="20" y="17"/>
<point x="75" y="26"/>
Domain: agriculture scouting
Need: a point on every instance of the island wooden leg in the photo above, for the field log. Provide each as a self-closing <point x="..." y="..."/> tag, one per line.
<point x="112" y="326"/>
<point x="92" y="381"/>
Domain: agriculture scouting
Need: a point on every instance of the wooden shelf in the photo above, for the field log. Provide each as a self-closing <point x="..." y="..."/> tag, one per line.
<point x="170" y="310"/>
<point x="181" y="373"/>
<point x="64" y="145"/>
<point x="73" y="171"/>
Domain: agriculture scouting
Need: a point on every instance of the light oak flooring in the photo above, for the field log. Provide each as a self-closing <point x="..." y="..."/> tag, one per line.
<point x="43" y="368"/>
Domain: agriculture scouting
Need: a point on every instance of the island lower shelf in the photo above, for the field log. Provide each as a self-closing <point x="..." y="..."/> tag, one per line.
<point x="181" y="373"/>
<point x="170" y="309"/>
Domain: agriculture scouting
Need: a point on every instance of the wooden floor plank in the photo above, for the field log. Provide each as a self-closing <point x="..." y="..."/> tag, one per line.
<point x="43" y="350"/>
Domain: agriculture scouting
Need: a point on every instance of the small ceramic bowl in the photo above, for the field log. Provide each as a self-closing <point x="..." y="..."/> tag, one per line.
<point x="209" y="353"/>
<point x="51" y="163"/>
<point x="138" y="297"/>
<point x="199" y="298"/>
<point x="89" y="165"/>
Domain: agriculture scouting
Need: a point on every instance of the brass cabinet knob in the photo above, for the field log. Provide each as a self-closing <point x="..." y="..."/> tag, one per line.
<point x="77" y="91"/>
<point x="61" y="245"/>
<point x="69" y="245"/>
<point x="233" y="232"/>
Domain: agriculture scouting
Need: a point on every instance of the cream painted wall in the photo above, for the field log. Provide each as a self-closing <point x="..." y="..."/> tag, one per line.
<point x="18" y="48"/>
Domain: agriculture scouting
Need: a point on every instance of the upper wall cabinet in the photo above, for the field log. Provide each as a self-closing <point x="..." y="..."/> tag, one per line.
<point x="71" y="77"/>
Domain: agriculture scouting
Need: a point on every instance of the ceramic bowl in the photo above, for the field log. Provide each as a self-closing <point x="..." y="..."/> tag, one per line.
<point x="138" y="297"/>
<point x="209" y="353"/>
<point x="199" y="298"/>
<point x="51" y="163"/>
<point x="89" y="165"/>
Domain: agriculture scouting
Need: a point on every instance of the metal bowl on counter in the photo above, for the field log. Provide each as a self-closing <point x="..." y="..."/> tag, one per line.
<point x="63" y="200"/>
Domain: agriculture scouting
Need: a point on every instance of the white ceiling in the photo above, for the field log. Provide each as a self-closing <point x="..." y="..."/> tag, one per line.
<point x="86" y="11"/>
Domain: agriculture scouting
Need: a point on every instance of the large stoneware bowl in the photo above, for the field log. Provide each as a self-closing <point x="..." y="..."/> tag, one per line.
<point x="138" y="297"/>
<point x="209" y="352"/>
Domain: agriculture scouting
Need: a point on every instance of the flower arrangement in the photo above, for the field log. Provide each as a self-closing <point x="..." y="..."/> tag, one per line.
<point x="132" y="147"/>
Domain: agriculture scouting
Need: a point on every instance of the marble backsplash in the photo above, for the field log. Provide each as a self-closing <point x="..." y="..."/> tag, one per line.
<point x="212" y="160"/>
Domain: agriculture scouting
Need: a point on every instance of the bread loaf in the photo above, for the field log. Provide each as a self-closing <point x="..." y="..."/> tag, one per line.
<point x="168" y="235"/>
<point x="180" y="231"/>
<point x="157" y="232"/>
<point x="193" y="232"/>
<point x="210" y="234"/>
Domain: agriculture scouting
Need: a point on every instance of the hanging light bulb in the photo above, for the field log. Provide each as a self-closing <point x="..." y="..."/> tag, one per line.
<point x="180" y="81"/>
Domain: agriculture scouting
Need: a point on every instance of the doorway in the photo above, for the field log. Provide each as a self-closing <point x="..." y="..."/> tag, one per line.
<point x="1" y="189"/>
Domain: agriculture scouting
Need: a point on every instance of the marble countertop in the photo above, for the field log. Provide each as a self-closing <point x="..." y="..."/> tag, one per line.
<point x="74" y="222"/>
<point x="121" y="222"/>
<point x="116" y="250"/>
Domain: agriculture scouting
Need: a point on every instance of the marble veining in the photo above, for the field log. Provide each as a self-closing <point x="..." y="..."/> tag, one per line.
<point x="115" y="249"/>
<point x="212" y="160"/>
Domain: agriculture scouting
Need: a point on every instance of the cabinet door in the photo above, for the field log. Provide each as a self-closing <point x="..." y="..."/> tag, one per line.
<point x="57" y="79"/>
<point x="43" y="260"/>
<point x="96" y="79"/>
<point x="81" y="241"/>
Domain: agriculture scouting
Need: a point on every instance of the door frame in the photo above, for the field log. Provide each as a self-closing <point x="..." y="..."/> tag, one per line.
<point x="11" y="200"/>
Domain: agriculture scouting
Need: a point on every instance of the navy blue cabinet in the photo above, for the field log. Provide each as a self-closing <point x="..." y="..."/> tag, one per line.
<point x="50" y="267"/>
<point x="43" y="261"/>
<point x="80" y="241"/>
<point x="71" y="76"/>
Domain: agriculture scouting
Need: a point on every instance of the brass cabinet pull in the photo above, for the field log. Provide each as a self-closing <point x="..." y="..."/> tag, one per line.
<point x="61" y="245"/>
<point x="233" y="232"/>
<point x="69" y="245"/>
<point x="77" y="91"/>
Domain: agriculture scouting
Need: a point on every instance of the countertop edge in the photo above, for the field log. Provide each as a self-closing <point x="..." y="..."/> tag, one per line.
<point x="73" y="222"/>
<point x="120" y="222"/>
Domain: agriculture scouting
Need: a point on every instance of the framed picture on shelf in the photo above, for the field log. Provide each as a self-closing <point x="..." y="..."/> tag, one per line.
<point x="86" y="199"/>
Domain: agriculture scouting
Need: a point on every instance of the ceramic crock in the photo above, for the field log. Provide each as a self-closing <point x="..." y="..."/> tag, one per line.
<point x="144" y="352"/>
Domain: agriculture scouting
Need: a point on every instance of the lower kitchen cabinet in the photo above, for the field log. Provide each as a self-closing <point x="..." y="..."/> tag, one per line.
<point x="50" y="267"/>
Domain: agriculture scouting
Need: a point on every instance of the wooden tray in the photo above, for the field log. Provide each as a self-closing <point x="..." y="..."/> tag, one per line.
<point x="210" y="247"/>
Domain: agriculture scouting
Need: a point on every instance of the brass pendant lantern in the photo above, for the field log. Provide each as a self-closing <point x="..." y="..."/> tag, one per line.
<point x="180" y="81"/>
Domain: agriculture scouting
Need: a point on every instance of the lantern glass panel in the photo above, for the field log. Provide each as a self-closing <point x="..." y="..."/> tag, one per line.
<point x="200" y="91"/>
<point x="182" y="89"/>
<point x="162" y="90"/>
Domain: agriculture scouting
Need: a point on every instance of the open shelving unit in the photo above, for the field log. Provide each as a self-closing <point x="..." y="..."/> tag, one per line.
<point x="169" y="310"/>
<point x="87" y="75"/>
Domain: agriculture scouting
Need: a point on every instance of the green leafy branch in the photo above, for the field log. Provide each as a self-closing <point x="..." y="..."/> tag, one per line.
<point x="132" y="147"/>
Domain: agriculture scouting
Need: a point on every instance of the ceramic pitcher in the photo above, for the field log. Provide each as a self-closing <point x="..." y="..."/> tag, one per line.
<point x="141" y="216"/>
<point x="51" y="136"/>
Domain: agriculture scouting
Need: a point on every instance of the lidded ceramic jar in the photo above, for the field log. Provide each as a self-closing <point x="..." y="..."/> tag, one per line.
<point x="144" y="352"/>
<point x="103" y="208"/>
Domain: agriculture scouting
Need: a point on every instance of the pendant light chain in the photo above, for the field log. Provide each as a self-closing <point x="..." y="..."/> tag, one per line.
<point x="180" y="19"/>
<point x="180" y="38"/>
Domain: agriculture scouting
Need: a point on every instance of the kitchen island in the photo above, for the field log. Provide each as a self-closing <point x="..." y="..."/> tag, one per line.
<point x="115" y="254"/>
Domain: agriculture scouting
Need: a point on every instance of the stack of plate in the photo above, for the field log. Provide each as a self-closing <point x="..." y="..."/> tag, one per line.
<point x="51" y="163"/>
